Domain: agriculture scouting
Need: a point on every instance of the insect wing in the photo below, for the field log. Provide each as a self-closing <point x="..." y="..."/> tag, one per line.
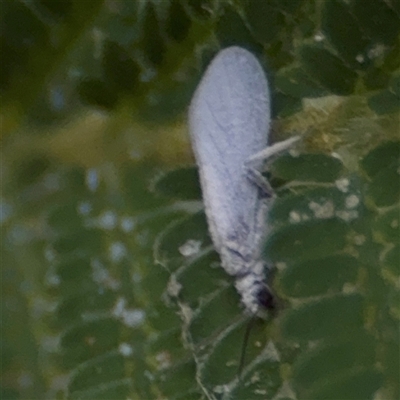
<point x="229" y="121"/>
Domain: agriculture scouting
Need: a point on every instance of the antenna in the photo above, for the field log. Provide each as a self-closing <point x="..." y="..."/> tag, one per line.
<point x="244" y="345"/>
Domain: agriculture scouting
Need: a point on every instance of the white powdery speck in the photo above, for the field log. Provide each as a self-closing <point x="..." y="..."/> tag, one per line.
<point x="174" y="287"/>
<point x="359" y="240"/>
<point x="190" y="248"/>
<point x="347" y="215"/>
<point x="107" y="220"/>
<point x="343" y="185"/>
<point x="352" y="201"/>
<point x="322" y="211"/>
<point x="117" y="252"/>
<point x="84" y="208"/>
<point x="294" y="217"/>
<point x="125" y="349"/>
<point x="132" y="317"/>
<point x="127" y="224"/>
<point x="92" y="179"/>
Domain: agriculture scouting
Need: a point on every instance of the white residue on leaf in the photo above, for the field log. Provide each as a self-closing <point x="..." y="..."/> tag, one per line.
<point x="343" y="185"/>
<point x="136" y="277"/>
<point x="20" y="235"/>
<point x="127" y="224"/>
<point x="84" y="208"/>
<point x="99" y="272"/>
<point x="186" y="312"/>
<point x="52" y="182"/>
<point x="132" y="317"/>
<point x="352" y="201"/>
<point x="255" y="377"/>
<point x="190" y="248"/>
<point x="359" y="240"/>
<point x="6" y="211"/>
<point x="319" y="37"/>
<point x="221" y="389"/>
<point x="125" y="349"/>
<point x="322" y="211"/>
<point x="25" y="380"/>
<point x="42" y="306"/>
<point x="50" y="344"/>
<point x="272" y="352"/>
<point x="107" y="220"/>
<point x="92" y="179"/>
<point x="285" y="392"/>
<point x="174" y="287"/>
<point x="347" y="215"/>
<point x="280" y="265"/>
<point x="117" y="252"/>
<point x="376" y="51"/>
<point x="294" y="217"/>
<point x="163" y="359"/>
<point x="49" y="254"/>
<point x="360" y="58"/>
<point x="102" y="277"/>
<point x="119" y="307"/>
<point x="294" y="152"/>
<point x="52" y="278"/>
<point x="349" y="288"/>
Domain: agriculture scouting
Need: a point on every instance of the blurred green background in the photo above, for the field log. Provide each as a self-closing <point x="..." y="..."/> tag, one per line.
<point x="110" y="286"/>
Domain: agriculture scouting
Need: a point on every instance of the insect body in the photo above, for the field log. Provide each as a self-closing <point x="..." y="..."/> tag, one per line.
<point x="229" y="121"/>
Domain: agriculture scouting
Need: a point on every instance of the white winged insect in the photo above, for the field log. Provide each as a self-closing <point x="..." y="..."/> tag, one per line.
<point x="229" y="121"/>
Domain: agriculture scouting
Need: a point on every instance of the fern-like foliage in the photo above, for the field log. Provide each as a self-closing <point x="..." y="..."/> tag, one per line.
<point x="112" y="292"/>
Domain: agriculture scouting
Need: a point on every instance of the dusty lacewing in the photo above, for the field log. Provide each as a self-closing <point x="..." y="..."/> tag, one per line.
<point x="229" y="120"/>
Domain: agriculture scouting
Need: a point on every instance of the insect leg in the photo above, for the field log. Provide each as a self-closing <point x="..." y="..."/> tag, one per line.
<point x="267" y="154"/>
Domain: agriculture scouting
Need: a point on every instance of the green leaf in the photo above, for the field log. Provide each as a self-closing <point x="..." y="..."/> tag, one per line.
<point x="215" y="313"/>
<point x="330" y="317"/>
<point x="231" y="30"/>
<point x="343" y="31"/>
<point x="191" y="232"/>
<point x="379" y="21"/>
<point x="296" y="82"/>
<point x="355" y="385"/>
<point x="178" y="23"/>
<point x="265" y="20"/>
<point x="152" y="41"/>
<point x="307" y="167"/>
<point x="182" y="183"/>
<point x="78" y="241"/>
<point x="121" y="71"/>
<point x="318" y="203"/>
<point x="59" y="9"/>
<point x="387" y="225"/>
<point x="307" y="240"/>
<point x="178" y="383"/>
<point x="391" y="260"/>
<point x="96" y="93"/>
<point x="107" y="367"/>
<point x="87" y="339"/>
<point x="201" y="277"/>
<point x="384" y="189"/>
<point x="317" y="277"/>
<point x="328" y="70"/>
<point x="333" y="359"/>
<point x="384" y="102"/>
<point x="381" y="157"/>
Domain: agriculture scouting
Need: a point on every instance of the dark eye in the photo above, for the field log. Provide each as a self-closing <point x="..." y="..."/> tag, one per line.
<point x="266" y="298"/>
